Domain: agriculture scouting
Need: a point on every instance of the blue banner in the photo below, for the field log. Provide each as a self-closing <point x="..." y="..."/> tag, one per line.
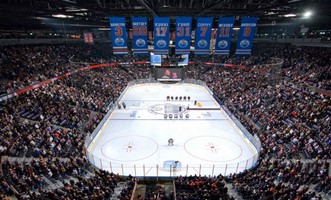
<point x="223" y="36"/>
<point x="161" y="35"/>
<point x="203" y="35"/>
<point x="139" y="35"/>
<point x="119" y="35"/>
<point x="246" y="35"/>
<point x="183" y="35"/>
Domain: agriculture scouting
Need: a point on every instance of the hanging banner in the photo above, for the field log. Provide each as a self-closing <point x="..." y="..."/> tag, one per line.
<point x="246" y="35"/>
<point x="88" y="38"/>
<point x="161" y="35"/>
<point x="223" y="36"/>
<point x="202" y="35"/>
<point x="183" y="35"/>
<point x="118" y="33"/>
<point x="139" y="34"/>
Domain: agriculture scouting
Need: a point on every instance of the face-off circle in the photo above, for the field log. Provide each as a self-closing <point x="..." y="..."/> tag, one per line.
<point x="167" y="108"/>
<point x="213" y="148"/>
<point x="133" y="148"/>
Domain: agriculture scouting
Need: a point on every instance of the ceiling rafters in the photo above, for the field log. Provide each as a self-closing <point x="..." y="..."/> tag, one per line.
<point x="101" y="4"/>
<point x="143" y="3"/>
<point x="98" y="11"/>
<point x="191" y="4"/>
<point x="214" y="5"/>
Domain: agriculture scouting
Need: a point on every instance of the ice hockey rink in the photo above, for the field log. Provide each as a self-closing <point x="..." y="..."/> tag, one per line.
<point x="135" y="139"/>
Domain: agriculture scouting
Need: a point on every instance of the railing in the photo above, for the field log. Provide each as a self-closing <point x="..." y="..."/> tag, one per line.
<point x="133" y="195"/>
<point x="174" y="188"/>
<point x="155" y="170"/>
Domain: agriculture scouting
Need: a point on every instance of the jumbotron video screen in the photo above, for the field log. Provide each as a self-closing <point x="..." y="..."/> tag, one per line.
<point x="169" y="74"/>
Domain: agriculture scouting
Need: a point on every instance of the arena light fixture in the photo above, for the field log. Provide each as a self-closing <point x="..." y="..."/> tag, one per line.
<point x="166" y="4"/>
<point x="290" y="15"/>
<point x="62" y="16"/>
<point x="73" y="9"/>
<point x="70" y="1"/>
<point x="307" y="14"/>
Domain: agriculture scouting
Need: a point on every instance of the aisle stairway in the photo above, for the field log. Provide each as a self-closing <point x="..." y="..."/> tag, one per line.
<point x="232" y="192"/>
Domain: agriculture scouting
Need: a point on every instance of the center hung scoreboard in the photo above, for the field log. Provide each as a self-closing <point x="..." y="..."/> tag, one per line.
<point x="169" y="68"/>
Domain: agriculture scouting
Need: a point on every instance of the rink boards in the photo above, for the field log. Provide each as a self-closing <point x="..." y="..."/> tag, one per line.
<point x="134" y="140"/>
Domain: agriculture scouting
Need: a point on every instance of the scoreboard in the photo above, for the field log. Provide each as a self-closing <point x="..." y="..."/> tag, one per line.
<point x="166" y="74"/>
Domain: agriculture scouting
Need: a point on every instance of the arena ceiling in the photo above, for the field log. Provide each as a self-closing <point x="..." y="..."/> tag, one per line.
<point x="95" y="13"/>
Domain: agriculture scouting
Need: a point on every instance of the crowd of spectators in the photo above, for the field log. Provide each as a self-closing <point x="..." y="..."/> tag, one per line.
<point x="308" y="66"/>
<point x="127" y="190"/>
<point x="292" y="121"/>
<point x="284" y="179"/>
<point x="201" y="187"/>
<point x="22" y="66"/>
<point x="49" y="124"/>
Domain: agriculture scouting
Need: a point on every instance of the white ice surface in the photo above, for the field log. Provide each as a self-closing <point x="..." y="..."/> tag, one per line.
<point x="135" y="140"/>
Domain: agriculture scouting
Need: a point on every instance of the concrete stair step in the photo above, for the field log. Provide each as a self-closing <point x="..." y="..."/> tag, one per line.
<point x="118" y="189"/>
<point x="232" y="192"/>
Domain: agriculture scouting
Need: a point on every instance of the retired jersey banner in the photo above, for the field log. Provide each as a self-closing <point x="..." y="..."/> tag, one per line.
<point x="139" y="35"/>
<point x="161" y="35"/>
<point x="246" y="35"/>
<point x="223" y="35"/>
<point x="183" y="35"/>
<point x="118" y="33"/>
<point x="203" y="35"/>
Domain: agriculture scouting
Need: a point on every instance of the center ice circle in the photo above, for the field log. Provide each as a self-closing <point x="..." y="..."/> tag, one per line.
<point x="129" y="148"/>
<point x="167" y="108"/>
<point x="213" y="148"/>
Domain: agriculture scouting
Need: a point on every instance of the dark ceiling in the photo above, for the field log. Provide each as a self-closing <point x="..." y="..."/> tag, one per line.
<point x="95" y="13"/>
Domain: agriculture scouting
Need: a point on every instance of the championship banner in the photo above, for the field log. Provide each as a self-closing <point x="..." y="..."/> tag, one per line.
<point x="88" y="38"/>
<point x="161" y="35"/>
<point x="139" y="34"/>
<point x="223" y="36"/>
<point x="203" y="35"/>
<point x="246" y="35"/>
<point x="118" y="33"/>
<point x="183" y="35"/>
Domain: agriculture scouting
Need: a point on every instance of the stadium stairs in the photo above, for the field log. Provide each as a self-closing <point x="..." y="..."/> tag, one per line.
<point x="232" y="192"/>
<point x="53" y="184"/>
